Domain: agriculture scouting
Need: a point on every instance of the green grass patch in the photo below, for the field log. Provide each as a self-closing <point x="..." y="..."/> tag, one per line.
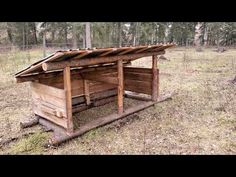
<point x="31" y="145"/>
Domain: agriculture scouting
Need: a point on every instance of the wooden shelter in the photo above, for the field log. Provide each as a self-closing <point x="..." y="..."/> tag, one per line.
<point x="71" y="81"/>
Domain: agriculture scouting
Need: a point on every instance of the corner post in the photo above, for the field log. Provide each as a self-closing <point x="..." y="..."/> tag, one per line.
<point x="120" y="86"/>
<point x="68" y="100"/>
<point x="155" y="79"/>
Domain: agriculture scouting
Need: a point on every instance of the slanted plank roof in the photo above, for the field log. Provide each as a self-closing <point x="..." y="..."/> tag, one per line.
<point x="96" y="53"/>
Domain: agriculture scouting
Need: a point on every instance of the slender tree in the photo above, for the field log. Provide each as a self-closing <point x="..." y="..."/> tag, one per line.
<point x="198" y="35"/>
<point x="88" y="35"/>
<point x="74" y="36"/>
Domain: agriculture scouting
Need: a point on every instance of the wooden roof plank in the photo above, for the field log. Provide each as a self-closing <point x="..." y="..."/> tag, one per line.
<point x="126" y="51"/>
<point x="108" y="52"/>
<point x="61" y="56"/>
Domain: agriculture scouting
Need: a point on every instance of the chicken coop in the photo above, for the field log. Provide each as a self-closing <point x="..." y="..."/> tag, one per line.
<point x="71" y="81"/>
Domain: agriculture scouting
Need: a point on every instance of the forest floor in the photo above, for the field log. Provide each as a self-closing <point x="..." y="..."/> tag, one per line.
<point x="200" y="119"/>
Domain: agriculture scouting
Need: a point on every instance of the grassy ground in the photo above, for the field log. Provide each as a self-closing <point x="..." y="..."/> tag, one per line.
<point x="200" y="119"/>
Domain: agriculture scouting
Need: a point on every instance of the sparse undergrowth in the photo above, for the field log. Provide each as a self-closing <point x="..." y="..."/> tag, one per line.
<point x="34" y="144"/>
<point x="200" y="119"/>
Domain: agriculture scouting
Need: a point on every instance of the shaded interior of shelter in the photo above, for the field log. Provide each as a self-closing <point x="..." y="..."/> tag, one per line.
<point x="103" y="96"/>
<point x="84" y="117"/>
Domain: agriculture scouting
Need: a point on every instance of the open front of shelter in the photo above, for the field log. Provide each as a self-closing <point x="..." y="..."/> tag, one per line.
<point x="68" y="82"/>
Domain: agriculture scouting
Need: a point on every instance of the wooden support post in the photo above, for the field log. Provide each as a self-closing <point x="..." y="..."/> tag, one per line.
<point x="120" y="86"/>
<point x="155" y="79"/>
<point x="68" y="100"/>
<point x="86" y="92"/>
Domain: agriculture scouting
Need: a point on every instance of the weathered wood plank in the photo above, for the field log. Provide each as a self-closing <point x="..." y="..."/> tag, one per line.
<point x="104" y="101"/>
<point x="138" y="70"/>
<point x="137" y="76"/>
<point x="86" y="92"/>
<point x="138" y="86"/>
<point x="154" y="78"/>
<point x="68" y="100"/>
<point x="39" y="97"/>
<point x="95" y="96"/>
<point x="101" y="78"/>
<point x="120" y="86"/>
<point x="140" y="89"/>
<point x="136" y="97"/>
<point x="93" y="89"/>
<point x="52" y="118"/>
<point x="59" y="74"/>
<point x="38" y="87"/>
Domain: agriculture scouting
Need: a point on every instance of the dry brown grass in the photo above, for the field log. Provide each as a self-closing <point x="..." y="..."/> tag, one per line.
<point x="200" y="119"/>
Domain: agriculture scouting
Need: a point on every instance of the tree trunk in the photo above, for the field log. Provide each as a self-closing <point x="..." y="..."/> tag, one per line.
<point x="197" y="37"/>
<point x="44" y="44"/>
<point x="119" y="35"/>
<point x="65" y="34"/>
<point x="84" y="41"/>
<point x="134" y="33"/>
<point x="74" y="39"/>
<point x="137" y="33"/>
<point x="23" y="36"/>
<point x="27" y="35"/>
<point x="205" y="35"/>
<point x="88" y="35"/>
<point x="9" y="32"/>
<point x="35" y="33"/>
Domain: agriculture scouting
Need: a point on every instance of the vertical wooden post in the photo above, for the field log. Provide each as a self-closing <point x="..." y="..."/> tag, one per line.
<point x="155" y="79"/>
<point x="67" y="88"/>
<point x="86" y="92"/>
<point x="120" y="86"/>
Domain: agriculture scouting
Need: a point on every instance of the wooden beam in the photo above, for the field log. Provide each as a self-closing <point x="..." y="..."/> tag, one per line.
<point x="101" y="78"/>
<point x="120" y="86"/>
<point x="136" y="97"/>
<point x="86" y="92"/>
<point x="84" y="54"/>
<point x="143" y="49"/>
<point x="154" y="78"/>
<point x="68" y="100"/>
<point x="127" y="51"/>
<point x="108" y="52"/>
<point x="30" y="123"/>
<point x="93" y="61"/>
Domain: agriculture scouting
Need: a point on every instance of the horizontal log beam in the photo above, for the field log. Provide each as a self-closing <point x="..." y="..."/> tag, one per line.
<point x="34" y="77"/>
<point x="105" y="120"/>
<point x="93" y="61"/>
<point x="30" y="123"/>
<point x="136" y="97"/>
<point x="100" y="78"/>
